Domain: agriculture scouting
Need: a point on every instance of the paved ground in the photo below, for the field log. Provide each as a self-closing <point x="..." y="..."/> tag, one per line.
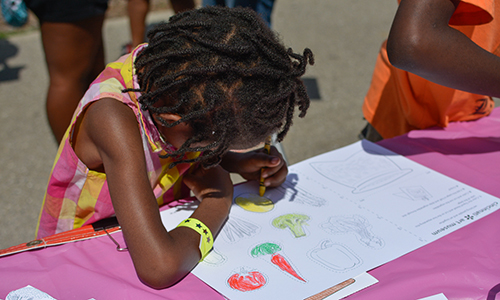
<point x="344" y="36"/>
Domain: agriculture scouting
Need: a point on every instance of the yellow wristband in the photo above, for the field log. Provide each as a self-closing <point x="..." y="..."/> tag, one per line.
<point x="207" y="240"/>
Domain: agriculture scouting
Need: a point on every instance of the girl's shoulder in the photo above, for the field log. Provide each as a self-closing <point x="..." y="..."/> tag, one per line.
<point x="107" y="126"/>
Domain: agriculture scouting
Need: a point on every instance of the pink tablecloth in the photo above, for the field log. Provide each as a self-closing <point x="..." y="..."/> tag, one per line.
<point x="466" y="263"/>
<point x="463" y="265"/>
<point x="90" y="269"/>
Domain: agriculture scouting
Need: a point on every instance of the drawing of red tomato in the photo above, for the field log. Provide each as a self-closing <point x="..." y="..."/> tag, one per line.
<point x="247" y="281"/>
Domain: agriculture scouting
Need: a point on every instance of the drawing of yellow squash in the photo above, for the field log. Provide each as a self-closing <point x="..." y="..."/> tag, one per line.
<point x="254" y="203"/>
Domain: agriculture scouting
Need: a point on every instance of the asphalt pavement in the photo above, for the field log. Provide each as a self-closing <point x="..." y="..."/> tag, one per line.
<point x="344" y="36"/>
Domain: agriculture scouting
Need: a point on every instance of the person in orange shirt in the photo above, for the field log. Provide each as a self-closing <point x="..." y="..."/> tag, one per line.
<point x="440" y="64"/>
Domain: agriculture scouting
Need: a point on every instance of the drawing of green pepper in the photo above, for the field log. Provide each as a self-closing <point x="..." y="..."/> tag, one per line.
<point x="334" y="256"/>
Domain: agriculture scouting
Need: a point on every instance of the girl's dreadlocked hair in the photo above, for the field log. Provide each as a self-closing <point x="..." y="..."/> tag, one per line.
<point x="226" y="74"/>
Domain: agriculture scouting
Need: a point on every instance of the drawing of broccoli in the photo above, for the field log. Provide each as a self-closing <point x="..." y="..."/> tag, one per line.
<point x="292" y="221"/>
<point x="276" y="258"/>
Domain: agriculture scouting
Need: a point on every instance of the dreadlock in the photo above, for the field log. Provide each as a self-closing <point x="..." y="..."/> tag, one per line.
<point x="226" y="74"/>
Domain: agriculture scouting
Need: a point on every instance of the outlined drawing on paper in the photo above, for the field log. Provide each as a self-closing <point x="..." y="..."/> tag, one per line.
<point x="414" y="193"/>
<point x="246" y="281"/>
<point x="361" y="172"/>
<point x="333" y="256"/>
<point x="214" y="258"/>
<point x="276" y="258"/>
<point x="290" y="191"/>
<point x="236" y="228"/>
<point x="355" y="224"/>
<point x="294" y="222"/>
<point x="254" y="203"/>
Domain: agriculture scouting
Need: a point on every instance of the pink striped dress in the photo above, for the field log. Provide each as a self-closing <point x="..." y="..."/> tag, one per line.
<point x="77" y="196"/>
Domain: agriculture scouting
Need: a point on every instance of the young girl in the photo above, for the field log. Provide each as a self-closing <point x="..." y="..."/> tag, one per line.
<point x="210" y="81"/>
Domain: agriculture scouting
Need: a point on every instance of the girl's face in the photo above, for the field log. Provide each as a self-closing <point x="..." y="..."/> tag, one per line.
<point x="180" y="133"/>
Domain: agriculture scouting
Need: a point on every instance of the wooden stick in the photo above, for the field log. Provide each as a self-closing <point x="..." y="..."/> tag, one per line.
<point x="333" y="289"/>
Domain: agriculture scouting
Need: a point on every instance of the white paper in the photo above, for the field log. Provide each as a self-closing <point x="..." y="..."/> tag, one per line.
<point x="435" y="297"/>
<point x="354" y="209"/>
<point x="28" y="293"/>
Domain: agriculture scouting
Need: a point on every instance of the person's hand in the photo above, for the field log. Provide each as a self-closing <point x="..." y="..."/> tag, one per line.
<point x="213" y="182"/>
<point x="249" y="166"/>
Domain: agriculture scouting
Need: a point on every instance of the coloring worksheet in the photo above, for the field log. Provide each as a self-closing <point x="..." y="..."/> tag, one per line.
<point x="337" y="215"/>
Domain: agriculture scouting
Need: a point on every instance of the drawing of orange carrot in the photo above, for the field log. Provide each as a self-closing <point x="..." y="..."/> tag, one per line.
<point x="276" y="258"/>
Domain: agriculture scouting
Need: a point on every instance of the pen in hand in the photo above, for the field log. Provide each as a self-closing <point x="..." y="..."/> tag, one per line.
<point x="267" y="150"/>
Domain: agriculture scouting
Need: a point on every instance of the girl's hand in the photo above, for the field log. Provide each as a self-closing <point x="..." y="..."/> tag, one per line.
<point x="249" y="166"/>
<point x="213" y="182"/>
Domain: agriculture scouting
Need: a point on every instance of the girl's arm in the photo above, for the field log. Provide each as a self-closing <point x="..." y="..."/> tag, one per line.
<point x="422" y="42"/>
<point x="109" y="133"/>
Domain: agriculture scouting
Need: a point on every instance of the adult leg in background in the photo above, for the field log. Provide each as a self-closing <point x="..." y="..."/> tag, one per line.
<point x="74" y="54"/>
<point x="137" y="12"/>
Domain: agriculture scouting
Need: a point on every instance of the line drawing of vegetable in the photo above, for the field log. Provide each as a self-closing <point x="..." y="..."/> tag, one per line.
<point x="246" y="281"/>
<point x="276" y="258"/>
<point x="236" y="228"/>
<point x="334" y="256"/>
<point x="294" y="222"/>
<point x="415" y="193"/>
<point x="288" y="189"/>
<point x="354" y="224"/>
<point x="214" y="258"/>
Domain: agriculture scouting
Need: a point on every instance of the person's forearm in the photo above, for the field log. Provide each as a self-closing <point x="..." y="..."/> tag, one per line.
<point x="466" y="67"/>
<point x="161" y="258"/>
<point x="213" y="211"/>
<point x="430" y="48"/>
